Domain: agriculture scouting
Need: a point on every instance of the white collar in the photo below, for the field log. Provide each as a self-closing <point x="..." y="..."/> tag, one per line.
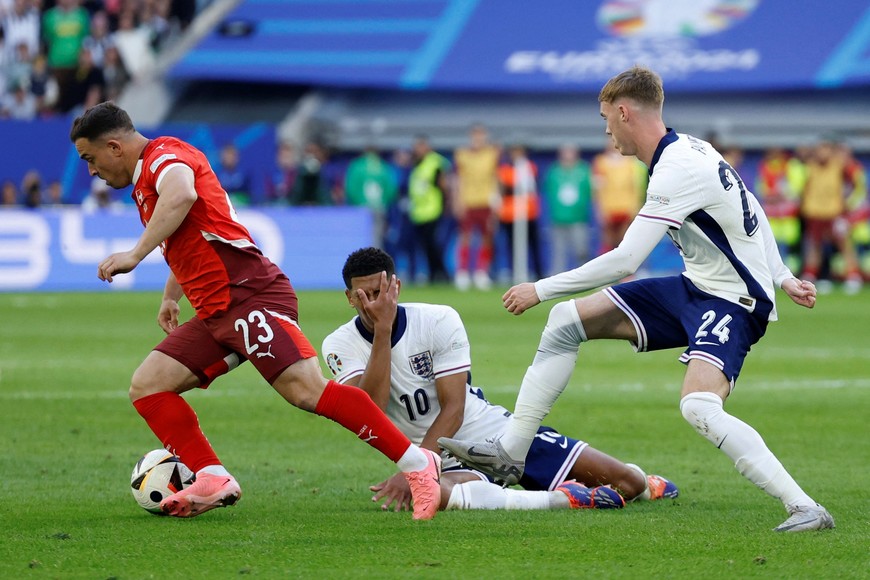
<point x="137" y="172"/>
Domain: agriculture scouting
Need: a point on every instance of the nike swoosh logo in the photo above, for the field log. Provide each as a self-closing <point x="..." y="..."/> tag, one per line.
<point x="707" y="343"/>
<point x="564" y="443"/>
<point x="474" y="453"/>
<point x="809" y="520"/>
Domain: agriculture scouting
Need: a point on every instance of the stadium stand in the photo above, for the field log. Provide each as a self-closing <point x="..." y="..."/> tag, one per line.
<point x="338" y="76"/>
<point x="386" y="70"/>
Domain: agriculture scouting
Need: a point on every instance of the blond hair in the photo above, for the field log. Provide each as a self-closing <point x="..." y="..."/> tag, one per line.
<point x="637" y="83"/>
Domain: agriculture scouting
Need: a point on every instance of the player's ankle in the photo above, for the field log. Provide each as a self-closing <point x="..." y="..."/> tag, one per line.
<point x="214" y="470"/>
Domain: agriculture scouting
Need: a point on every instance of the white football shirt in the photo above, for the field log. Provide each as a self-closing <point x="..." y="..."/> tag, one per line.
<point x="429" y="341"/>
<point x="713" y="220"/>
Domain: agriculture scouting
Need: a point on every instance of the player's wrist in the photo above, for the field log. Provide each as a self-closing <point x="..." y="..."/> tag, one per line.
<point x="383" y="329"/>
<point x="139" y="254"/>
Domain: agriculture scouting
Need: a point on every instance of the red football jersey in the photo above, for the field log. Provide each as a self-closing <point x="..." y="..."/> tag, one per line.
<point x="211" y="254"/>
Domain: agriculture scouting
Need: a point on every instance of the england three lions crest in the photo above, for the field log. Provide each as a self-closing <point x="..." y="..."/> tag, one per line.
<point x="421" y="364"/>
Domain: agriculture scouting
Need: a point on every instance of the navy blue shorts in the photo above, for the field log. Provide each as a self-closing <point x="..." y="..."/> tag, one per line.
<point x="672" y="312"/>
<point x="550" y="459"/>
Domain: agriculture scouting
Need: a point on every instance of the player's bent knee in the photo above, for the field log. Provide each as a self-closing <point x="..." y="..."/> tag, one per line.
<point x="159" y="373"/>
<point x="141" y="387"/>
<point x="144" y="382"/>
<point x="564" y="331"/>
<point x="699" y="408"/>
<point x="630" y="483"/>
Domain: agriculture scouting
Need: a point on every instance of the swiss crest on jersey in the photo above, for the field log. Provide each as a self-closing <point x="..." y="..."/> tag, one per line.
<point x="422" y="365"/>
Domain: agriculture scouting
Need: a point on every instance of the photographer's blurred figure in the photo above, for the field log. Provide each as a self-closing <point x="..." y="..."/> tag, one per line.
<point x="31" y="186"/>
<point x="100" y="198"/>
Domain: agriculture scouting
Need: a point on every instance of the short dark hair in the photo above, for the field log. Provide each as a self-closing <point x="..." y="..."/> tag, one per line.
<point x="100" y="120"/>
<point x="365" y="262"/>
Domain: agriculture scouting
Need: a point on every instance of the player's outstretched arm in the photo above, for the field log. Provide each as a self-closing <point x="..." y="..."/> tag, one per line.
<point x="118" y="263"/>
<point x="802" y="292"/>
<point x="640" y="239"/>
<point x="177" y="196"/>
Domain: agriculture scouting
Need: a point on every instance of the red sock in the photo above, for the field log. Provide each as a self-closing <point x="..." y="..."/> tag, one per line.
<point x="464" y="257"/>
<point x="484" y="259"/>
<point x="175" y="424"/>
<point x="354" y="410"/>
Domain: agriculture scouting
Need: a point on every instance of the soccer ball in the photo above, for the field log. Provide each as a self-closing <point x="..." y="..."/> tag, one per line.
<point x="157" y="475"/>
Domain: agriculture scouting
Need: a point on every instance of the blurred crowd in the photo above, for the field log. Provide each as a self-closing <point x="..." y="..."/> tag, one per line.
<point x="459" y="216"/>
<point x="62" y="56"/>
<point x="462" y="208"/>
<point x="816" y="200"/>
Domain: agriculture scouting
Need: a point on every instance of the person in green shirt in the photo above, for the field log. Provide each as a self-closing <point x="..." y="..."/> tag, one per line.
<point x="370" y="182"/>
<point x="568" y="195"/>
<point x="64" y="27"/>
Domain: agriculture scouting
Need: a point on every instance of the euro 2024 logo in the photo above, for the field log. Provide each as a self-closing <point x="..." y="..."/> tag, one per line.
<point x="660" y="34"/>
<point x="671" y="18"/>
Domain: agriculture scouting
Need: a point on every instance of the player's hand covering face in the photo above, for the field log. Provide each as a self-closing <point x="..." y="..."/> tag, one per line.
<point x="375" y="298"/>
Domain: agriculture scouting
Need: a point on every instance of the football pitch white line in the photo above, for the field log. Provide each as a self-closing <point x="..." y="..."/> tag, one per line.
<point x="748" y="384"/>
<point x="811" y="353"/>
<point x="30" y="395"/>
<point x="263" y="390"/>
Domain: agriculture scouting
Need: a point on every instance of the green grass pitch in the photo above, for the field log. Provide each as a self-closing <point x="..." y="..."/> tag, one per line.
<point x="69" y="438"/>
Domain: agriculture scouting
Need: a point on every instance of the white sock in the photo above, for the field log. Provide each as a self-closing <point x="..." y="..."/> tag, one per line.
<point x="644" y="495"/>
<point x="744" y="446"/>
<point x="483" y="495"/>
<point x="214" y="470"/>
<point x="545" y="380"/>
<point x="413" y="460"/>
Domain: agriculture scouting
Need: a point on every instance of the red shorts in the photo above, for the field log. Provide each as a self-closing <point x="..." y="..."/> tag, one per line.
<point x="821" y="230"/>
<point x="617" y="219"/>
<point x="262" y="329"/>
<point x="478" y="218"/>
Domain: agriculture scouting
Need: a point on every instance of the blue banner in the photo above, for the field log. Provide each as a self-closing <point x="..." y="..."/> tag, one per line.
<point x="552" y="46"/>
<point x="44" y="146"/>
<point x="60" y="249"/>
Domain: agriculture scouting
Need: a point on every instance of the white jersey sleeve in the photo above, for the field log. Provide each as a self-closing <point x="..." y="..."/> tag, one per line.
<point x="344" y="354"/>
<point x="778" y="270"/>
<point x="638" y="243"/>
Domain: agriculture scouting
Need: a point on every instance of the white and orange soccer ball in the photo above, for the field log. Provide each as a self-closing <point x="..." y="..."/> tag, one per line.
<point x="156" y="476"/>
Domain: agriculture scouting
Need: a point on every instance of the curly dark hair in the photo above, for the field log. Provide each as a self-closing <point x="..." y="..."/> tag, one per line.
<point x="100" y="120"/>
<point x="365" y="262"/>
